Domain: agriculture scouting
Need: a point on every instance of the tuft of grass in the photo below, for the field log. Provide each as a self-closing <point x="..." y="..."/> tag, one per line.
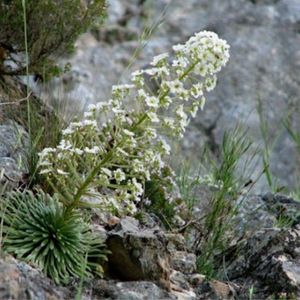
<point x="39" y="230"/>
<point x="228" y="183"/>
<point x="284" y="222"/>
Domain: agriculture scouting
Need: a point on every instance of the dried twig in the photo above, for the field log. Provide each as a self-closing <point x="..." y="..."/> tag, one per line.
<point x="17" y="101"/>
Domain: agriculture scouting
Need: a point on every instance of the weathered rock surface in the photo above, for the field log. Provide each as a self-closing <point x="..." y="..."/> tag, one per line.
<point x="269" y="261"/>
<point x="19" y="281"/>
<point x="264" y="65"/>
<point x="137" y="253"/>
<point x="258" y="212"/>
<point x="13" y="141"/>
<point x="133" y="290"/>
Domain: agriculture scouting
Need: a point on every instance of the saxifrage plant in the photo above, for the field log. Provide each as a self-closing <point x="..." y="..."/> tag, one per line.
<point x="120" y="144"/>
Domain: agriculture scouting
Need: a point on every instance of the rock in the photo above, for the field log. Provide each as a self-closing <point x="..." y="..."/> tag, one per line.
<point x="133" y="290"/>
<point x="137" y="253"/>
<point x="13" y="165"/>
<point x="19" y="281"/>
<point x="256" y="212"/>
<point x="215" y="290"/>
<point x="183" y="262"/>
<point x="253" y="214"/>
<point x="282" y="206"/>
<point x="267" y="257"/>
<point x="175" y="242"/>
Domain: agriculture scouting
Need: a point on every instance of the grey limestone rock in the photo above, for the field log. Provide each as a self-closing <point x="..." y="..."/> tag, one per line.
<point x="269" y="256"/>
<point x="19" y="281"/>
<point x="137" y="253"/>
<point x="13" y="143"/>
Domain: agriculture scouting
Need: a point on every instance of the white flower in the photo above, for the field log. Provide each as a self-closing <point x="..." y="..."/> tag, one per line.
<point x="153" y="117"/>
<point x="62" y="172"/>
<point x="67" y="131"/>
<point x="175" y="86"/>
<point x="107" y="172"/>
<point x="131" y="207"/>
<point x="157" y="162"/>
<point x="152" y="101"/>
<point x="178" y="47"/>
<point x="64" y="145"/>
<point x="127" y="132"/>
<point x="88" y="114"/>
<point x="46" y="151"/>
<point x="78" y="151"/>
<point x="91" y="107"/>
<point x="138" y="166"/>
<point x="93" y="150"/>
<point x="165" y="101"/>
<point x="169" y="121"/>
<point x="159" y="58"/>
<point x="127" y="145"/>
<point x="150" y="132"/>
<point x="122" y="87"/>
<point x="122" y="152"/>
<point x="45" y="171"/>
<point x="202" y="103"/>
<point x="196" y="90"/>
<point x="151" y="72"/>
<point x="119" y="175"/>
<point x="137" y="78"/>
<point x="141" y="94"/>
<point x="165" y="147"/>
<point x="210" y="83"/>
<point x="181" y="62"/>
<point x="194" y="110"/>
<point x="180" y="112"/>
<point x="85" y="122"/>
<point x="137" y="187"/>
<point x="103" y="180"/>
<point x="101" y="106"/>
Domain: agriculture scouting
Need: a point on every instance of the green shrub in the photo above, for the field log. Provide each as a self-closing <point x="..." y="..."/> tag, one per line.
<point x="52" y="28"/>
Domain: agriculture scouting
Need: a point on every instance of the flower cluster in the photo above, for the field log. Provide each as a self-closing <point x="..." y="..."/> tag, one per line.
<point x="121" y="148"/>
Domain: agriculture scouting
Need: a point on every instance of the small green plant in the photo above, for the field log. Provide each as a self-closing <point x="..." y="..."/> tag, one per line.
<point x="158" y="194"/>
<point x="284" y="222"/>
<point x="115" y="149"/>
<point x="38" y="229"/>
<point x="251" y="292"/>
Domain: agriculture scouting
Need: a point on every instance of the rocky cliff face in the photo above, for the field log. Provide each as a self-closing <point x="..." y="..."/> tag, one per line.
<point x="264" y="66"/>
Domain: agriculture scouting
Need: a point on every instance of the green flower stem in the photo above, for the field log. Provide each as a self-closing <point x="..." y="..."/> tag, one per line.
<point x="189" y="69"/>
<point x="91" y="177"/>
